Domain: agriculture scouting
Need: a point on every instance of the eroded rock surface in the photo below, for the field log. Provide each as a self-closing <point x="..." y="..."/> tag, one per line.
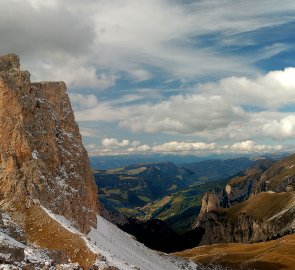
<point x="42" y="159"/>
<point x="257" y="205"/>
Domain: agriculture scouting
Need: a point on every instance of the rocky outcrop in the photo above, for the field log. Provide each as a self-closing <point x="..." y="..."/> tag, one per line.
<point x="15" y="251"/>
<point x="263" y="217"/>
<point x="210" y="202"/>
<point x="248" y="209"/>
<point x="278" y="178"/>
<point x="42" y="159"/>
<point x="239" y="189"/>
<point x="265" y="175"/>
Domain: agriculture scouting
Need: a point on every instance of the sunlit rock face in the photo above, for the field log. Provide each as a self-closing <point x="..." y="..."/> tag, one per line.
<point x="42" y="159"/>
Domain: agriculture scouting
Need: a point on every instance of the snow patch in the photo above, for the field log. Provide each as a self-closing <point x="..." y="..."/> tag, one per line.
<point x="10" y="242"/>
<point x="117" y="248"/>
<point x="9" y="267"/>
<point x="35" y="154"/>
<point x="67" y="224"/>
<point x="37" y="256"/>
<point x="122" y="250"/>
<point x="6" y="219"/>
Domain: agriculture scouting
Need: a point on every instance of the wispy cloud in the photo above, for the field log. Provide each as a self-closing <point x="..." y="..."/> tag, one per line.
<point x="112" y="38"/>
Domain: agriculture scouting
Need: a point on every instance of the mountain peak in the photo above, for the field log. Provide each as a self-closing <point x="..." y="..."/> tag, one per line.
<point x="9" y="61"/>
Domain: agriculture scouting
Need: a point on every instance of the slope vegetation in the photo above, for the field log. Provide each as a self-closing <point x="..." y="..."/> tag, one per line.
<point x="262" y="217"/>
<point x="270" y="255"/>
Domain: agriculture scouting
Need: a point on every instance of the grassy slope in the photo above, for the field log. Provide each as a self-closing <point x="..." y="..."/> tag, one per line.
<point x="264" y="205"/>
<point x="46" y="232"/>
<point x="280" y="170"/>
<point x="276" y="254"/>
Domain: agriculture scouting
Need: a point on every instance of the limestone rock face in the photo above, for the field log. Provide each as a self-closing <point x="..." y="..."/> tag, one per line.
<point x="42" y="159"/>
<point x="210" y="202"/>
<point x="263" y="217"/>
<point x="256" y="205"/>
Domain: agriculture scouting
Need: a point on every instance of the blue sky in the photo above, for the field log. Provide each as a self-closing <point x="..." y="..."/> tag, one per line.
<point x="159" y="76"/>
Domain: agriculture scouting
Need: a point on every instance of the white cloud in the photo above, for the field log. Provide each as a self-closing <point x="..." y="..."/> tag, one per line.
<point x="183" y="114"/>
<point x="139" y="148"/>
<point x="112" y="142"/>
<point x="140" y="74"/>
<point x="224" y="109"/>
<point x="76" y="72"/>
<point x="88" y="132"/>
<point x="251" y="146"/>
<point x="103" y="111"/>
<point x="114" y="147"/>
<point x="111" y="37"/>
<point x="270" y="91"/>
<point x="80" y="101"/>
<point x="174" y="147"/>
<point x="280" y="129"/>
<point x="135" y="143"/>
<point x="91" y="147"/>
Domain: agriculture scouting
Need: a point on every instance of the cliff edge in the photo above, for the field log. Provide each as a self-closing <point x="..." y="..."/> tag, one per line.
<point x="42" y="159"/>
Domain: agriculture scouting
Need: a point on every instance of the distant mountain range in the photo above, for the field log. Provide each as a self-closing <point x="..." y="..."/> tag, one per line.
<point x="146" y="198"/>
<point x="256" y="209"/>
<point x="112" y="162"/>
<point x="137" y="185"/>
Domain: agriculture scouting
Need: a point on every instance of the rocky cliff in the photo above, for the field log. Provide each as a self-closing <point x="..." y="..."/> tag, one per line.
<point x="43" y="161"/>
<point x="263" y="217"/>
<point x="248" y="209"/>
<point x="48" y="198"/>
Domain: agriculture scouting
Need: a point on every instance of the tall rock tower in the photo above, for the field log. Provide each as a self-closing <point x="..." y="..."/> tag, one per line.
<point x="42" y="157"/>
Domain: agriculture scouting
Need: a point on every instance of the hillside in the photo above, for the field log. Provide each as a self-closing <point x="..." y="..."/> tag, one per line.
<point x="138" y="184"/>
<point x="265" y="216"/>
<point x="257" y="205"/>
<point x="163" y="190"/>
<point x="178" y="210"/>
<point x="270" y="255"/>
<point x="279" y="177"/>
<point x="216" y="169"/>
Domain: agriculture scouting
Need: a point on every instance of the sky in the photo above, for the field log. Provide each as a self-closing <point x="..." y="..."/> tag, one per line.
<point x="165" y="76"/>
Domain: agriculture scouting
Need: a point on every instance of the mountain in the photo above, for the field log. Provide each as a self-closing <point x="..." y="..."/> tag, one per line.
<point x="48" y="198"/>
<point x="263" y="217"/>
<point x="43" y="160"/>
<point x="164" y="190"/>
<point x="136" y="185"/>
<point x="251" y="221"/>
<point x="256" y="205"/>
<point x="270" y="255"/>
<point x="178" y="209"/>
<point x="238" y="189"/>
<point x="217" y="169"/>
<point x="112" y="162"/>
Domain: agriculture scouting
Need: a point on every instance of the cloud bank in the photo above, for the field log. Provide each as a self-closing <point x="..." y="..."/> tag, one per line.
<point x="113" y="146"/>
<point x="234" y="107"/>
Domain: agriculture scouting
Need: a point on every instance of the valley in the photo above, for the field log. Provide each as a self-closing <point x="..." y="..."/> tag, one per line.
<point x="55" y="213"/>
<point x="251" y="209"/>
